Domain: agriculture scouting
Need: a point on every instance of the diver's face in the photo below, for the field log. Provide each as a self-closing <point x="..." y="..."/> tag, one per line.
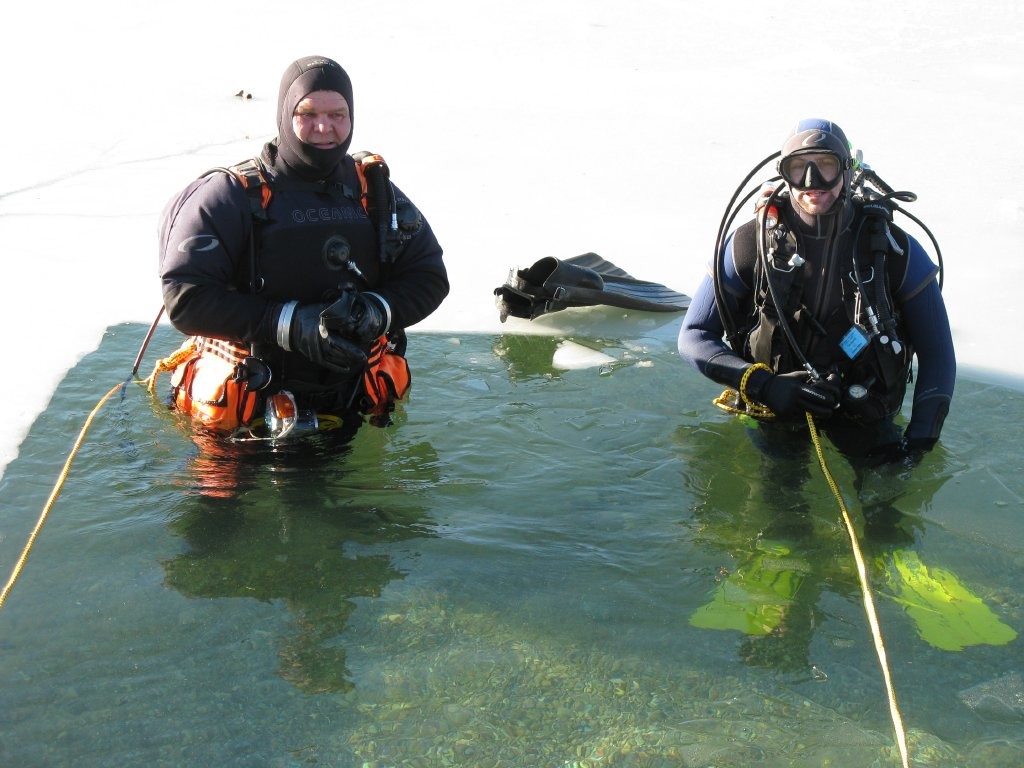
<point x="815" y="181"/>
<point x="322" y="119"/>
<point x="815" y="202"/>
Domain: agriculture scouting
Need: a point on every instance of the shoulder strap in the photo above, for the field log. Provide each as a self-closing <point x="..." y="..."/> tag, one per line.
<point x="878" y="236"/>
<point x="744" y="251"/>
<point x="883" y="249"/>
<point x="250" y="174"/>
<point x="377" y="196"/>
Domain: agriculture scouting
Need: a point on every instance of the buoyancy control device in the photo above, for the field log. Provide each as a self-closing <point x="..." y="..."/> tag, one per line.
<point x="778" y="330"/>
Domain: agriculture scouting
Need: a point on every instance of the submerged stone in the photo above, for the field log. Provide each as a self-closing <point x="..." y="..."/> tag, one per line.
<point x="1000" y="699"/>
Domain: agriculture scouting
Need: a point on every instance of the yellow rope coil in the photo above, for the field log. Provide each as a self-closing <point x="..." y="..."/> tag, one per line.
<point x="170" y="362"/>
<point x="730" y="400"/>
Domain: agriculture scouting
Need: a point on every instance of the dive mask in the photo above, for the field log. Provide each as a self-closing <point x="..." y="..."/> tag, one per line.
<point x="812" y="170"/>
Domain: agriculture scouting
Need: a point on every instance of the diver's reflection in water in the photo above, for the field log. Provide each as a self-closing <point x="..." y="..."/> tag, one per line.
<point x="757" y="502"/>
<point x="272" y="523"/>
<point x="223" y="468"/>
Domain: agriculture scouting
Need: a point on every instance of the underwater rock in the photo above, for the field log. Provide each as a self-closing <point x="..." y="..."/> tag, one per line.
<point x="1001" y="699"/>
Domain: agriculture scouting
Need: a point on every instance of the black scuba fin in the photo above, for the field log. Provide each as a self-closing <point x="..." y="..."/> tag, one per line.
<point x="553" y="284"/>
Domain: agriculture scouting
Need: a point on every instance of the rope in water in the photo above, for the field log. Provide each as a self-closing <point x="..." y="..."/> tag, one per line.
<point x="53" y="496"/>
<point x="732" y="401"/>
<point x="865" y="590"/>
<point x="869" y="604"/>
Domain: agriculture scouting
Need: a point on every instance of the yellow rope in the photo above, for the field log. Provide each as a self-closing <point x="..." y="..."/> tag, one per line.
<point x="53" y="497"/>
<point x="869" y="604"/>
<point x="730" y="400"/>
<point x="170" y="362"/>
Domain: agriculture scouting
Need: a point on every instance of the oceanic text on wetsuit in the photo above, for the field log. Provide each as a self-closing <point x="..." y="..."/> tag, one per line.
<point x="315" y="215"/>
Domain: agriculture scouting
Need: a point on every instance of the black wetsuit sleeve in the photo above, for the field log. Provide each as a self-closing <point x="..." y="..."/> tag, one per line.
<point x="701" y="337"/>
<point x="204" y="258"/>
<point x="416" y="284"/>
<point x="927" y="325"/>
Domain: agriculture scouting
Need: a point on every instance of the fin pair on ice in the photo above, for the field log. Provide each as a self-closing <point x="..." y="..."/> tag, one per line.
<point x="551" y="284"/>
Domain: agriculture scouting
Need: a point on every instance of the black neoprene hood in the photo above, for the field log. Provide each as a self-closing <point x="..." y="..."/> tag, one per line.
<point x="301" y="78"/>
<point x="817" y="135"/>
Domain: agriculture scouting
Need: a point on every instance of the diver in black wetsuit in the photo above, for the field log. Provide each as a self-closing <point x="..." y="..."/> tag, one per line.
<point x="263" y="278"/>
<point x="829" y="302"/>
<point x="816" y="305"/>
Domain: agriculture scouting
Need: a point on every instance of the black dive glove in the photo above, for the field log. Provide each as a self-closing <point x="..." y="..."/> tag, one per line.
<point x="359" y="316"/>
<point x="907" y="452"/>
<point x="790" y="394"/>
<point x="299" y="330"/>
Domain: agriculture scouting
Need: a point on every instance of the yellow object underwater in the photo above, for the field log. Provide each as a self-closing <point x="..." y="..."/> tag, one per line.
<point x="947" y="614"/>
<point x="755" y="597"/>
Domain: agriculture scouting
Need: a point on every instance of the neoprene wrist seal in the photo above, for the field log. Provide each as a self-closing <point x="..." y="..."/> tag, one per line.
<point x="386" y="310"/>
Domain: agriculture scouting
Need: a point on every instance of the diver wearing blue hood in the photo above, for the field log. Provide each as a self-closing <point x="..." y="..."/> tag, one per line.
<point x="820" y="303"/>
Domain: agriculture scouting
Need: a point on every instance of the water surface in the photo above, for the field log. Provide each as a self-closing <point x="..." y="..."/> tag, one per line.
<point x="509" y="576"/>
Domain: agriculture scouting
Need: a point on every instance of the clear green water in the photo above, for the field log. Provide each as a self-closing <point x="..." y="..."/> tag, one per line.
<point x="505" y="578"/>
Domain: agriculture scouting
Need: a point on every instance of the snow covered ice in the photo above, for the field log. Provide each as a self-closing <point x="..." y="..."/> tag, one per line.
<point x="521" y="129"/>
